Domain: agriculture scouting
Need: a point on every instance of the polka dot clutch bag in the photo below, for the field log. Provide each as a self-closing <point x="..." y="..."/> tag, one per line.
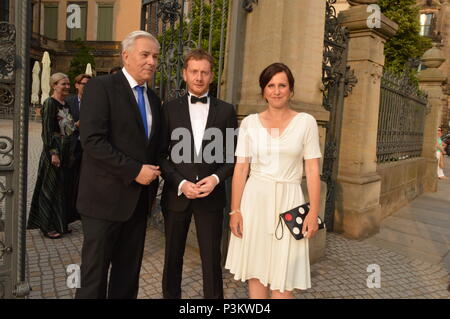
<point x="294" y="221"/>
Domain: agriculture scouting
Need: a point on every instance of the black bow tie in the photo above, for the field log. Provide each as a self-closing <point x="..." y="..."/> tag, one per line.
<point x="195" y="99"/>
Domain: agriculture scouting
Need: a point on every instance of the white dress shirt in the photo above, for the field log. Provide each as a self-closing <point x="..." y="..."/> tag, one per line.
<point x="133" y="85"/>
<point x="198" y="113"/>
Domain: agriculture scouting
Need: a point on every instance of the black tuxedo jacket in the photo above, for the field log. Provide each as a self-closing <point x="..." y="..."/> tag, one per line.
<point x="114" y="148"/>
<point x="74" y="105"/>
<point x="175" y="114"/>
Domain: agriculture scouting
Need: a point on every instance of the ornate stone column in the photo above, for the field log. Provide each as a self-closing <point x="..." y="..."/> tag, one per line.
<point x="432" y="81"/>
<point x="283" y="31"/>
<point x="357" y="212"/>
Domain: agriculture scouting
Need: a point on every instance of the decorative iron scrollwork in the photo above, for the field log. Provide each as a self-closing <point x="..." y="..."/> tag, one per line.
<point x="4" y="249"/>
<point x="350" y="81"/>
<point x="337" y="82"/>
<point x="7" y="32"/>
<point x="4" y="192"/>
<point x="329" y="157"/>
<point x="248" y="5"/>
<point x="333" y="66"/>
<point x="6" y="95"/>
<point x="7" y="50"/>
<point x="6" y="147"/>
<point x="169" y="11"/>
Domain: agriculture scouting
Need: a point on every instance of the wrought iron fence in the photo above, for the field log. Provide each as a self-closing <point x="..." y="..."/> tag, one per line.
<point x="181" y="25"/>
<point x="338" y="81"/>
<point x="14" y="92"/>
<point x="401" y="119"/>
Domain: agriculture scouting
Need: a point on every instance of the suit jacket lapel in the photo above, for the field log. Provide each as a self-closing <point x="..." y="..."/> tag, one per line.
<point x="211" y="116"/>
<point x="185" y="115"/>
<point x="155" y="113"/>
<point x="132" y="100"/>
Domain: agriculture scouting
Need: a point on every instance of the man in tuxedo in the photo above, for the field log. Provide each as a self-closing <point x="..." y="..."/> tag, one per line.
<point x="195" y="186"/>
<point x="119" y="178"/>
<point x="74" y="100"/>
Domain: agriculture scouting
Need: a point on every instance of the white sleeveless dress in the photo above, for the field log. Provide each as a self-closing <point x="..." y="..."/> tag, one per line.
<point x="273" y="187"/>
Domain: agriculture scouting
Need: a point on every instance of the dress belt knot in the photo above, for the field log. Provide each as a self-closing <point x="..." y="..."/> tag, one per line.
<point x="273" y="183"/>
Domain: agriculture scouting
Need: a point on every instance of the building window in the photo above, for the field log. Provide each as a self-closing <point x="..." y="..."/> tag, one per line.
<point x="105" y="22"/>
<point x="426" y="22"/>
<point x="74" y="33"/>
<point x="51" y="20"/>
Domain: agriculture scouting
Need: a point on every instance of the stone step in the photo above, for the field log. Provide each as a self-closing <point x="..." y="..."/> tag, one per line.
<point x="438" y="207"/>
<point x="403" y="250"/>
<point x="424" y="216"/>
<point x="416" y="228"/>
<point x="429" y="247"/>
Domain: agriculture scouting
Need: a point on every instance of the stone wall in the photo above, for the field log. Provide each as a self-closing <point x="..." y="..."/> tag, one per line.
<point x="401" y="182"/>
<point x="294" y="36"/>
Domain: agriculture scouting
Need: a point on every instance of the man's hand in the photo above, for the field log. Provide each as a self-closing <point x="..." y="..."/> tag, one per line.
<point x="77" y="124"/>
<point x="206" y="186"/>
<point x="147" y="174"/>
<point x="55" y="160"/>
<point x="190" y="190"/>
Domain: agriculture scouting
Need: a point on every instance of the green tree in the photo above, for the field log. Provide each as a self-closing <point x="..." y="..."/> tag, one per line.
<point x="80" y="60"/>
<point x="191" y="31"/>
<point x="407" y="44"/>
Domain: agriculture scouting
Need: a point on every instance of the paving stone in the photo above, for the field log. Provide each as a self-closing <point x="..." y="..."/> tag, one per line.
<point x="340" y="274"/>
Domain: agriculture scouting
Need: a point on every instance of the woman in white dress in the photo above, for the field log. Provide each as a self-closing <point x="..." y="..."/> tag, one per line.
<point x="271" y="149"/>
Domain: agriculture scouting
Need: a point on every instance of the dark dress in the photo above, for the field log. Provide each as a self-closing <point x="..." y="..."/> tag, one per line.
<point x="52" y="205"/>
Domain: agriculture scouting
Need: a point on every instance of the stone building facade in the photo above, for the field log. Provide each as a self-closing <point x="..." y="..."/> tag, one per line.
<point x="102" y="25"/>
<point x="435" y="23"/>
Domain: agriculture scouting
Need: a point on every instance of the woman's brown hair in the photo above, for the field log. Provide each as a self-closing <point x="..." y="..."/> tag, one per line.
<point x="268" y="73"/>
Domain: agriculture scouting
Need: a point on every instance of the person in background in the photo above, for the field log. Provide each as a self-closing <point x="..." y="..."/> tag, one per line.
<point x="74" y="102"/>
<point x="51" y="209"/>
<point x="115" y="69"/>
<point x="440" y="151"/>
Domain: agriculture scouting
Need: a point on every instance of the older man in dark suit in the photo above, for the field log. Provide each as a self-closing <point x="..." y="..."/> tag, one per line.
<point x="119" y="177"/>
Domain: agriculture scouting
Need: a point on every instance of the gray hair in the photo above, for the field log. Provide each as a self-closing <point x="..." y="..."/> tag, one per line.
<point x="131" y="38"/>
<point x="57" y="77"/>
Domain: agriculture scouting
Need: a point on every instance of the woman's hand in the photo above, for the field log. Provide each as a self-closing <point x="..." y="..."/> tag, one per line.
<point x="55" y="160"/>
<point x="310" y="226"/>
<point x="236" y="224"/>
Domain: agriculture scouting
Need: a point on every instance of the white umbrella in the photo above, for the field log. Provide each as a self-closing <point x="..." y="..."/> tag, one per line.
<point x="35" y="83"/>
<point x="88" y="69"/>
<point x="45" y="77"/>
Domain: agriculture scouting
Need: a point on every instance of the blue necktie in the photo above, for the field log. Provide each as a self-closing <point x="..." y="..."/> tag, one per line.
<point x="141" y="104"/>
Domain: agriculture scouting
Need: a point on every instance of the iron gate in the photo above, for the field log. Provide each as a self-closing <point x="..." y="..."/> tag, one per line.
<point x="181" y="25"/>
<point x="14" y="90"/>
<point x="338" y="81"/>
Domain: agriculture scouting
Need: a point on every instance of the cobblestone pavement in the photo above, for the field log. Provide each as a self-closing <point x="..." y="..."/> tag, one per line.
<point x="342" y="273"/>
